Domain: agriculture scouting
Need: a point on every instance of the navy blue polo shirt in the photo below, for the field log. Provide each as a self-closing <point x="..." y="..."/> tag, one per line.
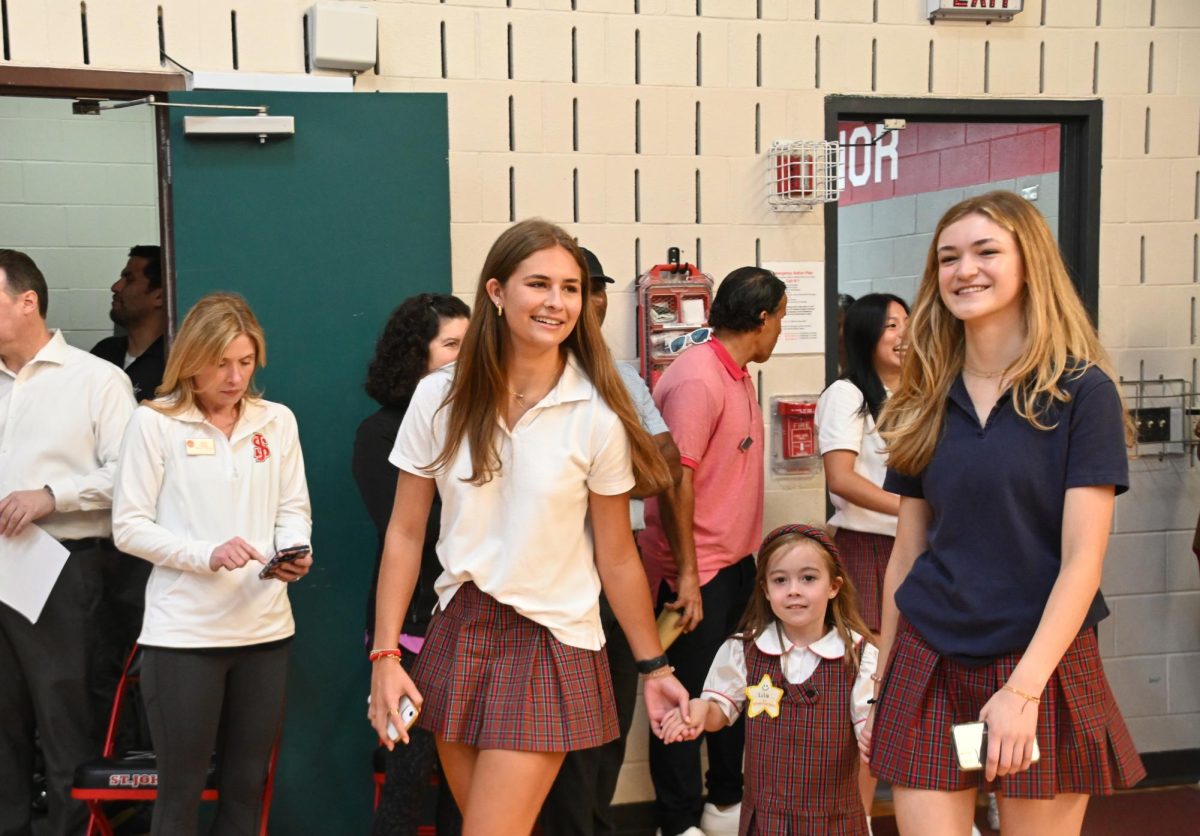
<point x="997" y="493"/>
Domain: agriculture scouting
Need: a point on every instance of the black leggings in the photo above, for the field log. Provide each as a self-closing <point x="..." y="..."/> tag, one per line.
<point x="227" y="699"/>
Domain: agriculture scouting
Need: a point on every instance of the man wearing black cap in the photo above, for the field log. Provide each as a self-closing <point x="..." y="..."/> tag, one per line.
<point x="580" y="802"/>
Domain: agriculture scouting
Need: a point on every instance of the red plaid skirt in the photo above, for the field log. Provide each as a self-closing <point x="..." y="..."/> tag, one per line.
<point x="493" y="679"/>
<point x="865" y="557"/>
<point x="1085" y="746"/>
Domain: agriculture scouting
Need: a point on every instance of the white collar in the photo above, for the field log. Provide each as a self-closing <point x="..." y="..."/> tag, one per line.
<point x="253" y="417"/>
<point x="829" y="646"/>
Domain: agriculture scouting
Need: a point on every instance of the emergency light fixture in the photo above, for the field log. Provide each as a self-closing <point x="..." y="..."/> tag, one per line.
<point x="1000" y="11"/>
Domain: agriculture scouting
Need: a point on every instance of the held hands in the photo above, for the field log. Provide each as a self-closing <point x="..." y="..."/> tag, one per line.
<point x="676" y="728"/>
<point x="20" y="508"/>
<point x="864" y="739"/>
<point x="1011" y="726"/>
<point x="688" y="602"/>
<point x="389" y="682"/>
<point x="664" y="694"/>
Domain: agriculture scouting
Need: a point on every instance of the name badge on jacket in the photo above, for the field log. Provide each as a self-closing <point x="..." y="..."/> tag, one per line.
<point x="200" y="447"/>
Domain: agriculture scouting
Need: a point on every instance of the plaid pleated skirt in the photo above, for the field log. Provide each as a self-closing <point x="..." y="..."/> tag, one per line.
<point x="865" y="557"/>
<point x="493" y="679"/>
<point x="1085" y="745"/>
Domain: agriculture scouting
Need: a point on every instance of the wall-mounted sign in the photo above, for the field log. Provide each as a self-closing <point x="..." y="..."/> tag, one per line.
<point x="804" y="325"/>
<point x="989" y="10"/>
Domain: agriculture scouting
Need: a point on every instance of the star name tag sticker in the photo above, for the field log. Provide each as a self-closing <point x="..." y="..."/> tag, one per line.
<point x="763" y="697"/>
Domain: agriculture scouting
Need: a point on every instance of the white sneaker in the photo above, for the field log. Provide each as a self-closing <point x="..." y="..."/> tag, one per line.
<point x="716" y="822"/>
<point x="993" y="812"/>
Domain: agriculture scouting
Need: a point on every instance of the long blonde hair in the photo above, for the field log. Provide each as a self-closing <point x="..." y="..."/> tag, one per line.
<point x="480" y="386"/>
<point x="209" y="327"/>
<point x="1060" y="337"/>
<point x="841" y="614"/>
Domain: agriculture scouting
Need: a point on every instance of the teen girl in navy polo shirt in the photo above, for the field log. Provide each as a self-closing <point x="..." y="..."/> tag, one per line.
<point x="1007" y="443"/>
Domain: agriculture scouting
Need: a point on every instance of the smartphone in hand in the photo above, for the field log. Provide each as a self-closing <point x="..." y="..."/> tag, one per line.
<point x="282" y="556"/>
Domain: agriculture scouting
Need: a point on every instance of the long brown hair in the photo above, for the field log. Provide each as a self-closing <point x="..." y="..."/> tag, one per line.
<point x="480" y="387"/>
<point x="842" y="613"/>
<point x="209" y="327"/>
<point x="1060" y="338"/>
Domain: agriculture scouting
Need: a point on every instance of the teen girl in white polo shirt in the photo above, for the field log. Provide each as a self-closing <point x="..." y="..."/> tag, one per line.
<point x="209" y="485"/>
<point x="530" y="438"/>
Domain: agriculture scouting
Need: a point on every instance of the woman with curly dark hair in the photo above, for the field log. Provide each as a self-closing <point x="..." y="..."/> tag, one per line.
<point x="424" y="333"/>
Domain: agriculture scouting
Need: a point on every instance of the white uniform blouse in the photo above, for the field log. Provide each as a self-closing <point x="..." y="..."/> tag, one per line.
<point x="524" y="537"/>
<point x="182" y="489"/>
<point x="841" y="427"/>
<point x="726" y="682"/>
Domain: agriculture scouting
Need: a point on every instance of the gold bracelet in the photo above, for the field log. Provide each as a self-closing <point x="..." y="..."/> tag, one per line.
<point x="1021" y="694"/>
<point x="659" y="673"/>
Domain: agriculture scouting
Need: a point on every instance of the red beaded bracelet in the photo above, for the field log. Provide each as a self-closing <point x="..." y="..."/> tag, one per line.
<point x="376" y="655"/>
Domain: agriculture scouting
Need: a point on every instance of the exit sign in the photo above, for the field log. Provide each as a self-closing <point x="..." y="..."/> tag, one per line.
<point x="989" y="10"/>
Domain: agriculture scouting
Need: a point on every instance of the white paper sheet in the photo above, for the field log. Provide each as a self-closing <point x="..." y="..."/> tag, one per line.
<point x="693" y="311"/>
<point x="30" y="564"/>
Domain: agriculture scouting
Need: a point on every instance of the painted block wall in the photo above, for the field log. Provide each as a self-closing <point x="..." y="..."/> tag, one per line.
<point x="76" y="192"/>
<point x="641" y="100"/>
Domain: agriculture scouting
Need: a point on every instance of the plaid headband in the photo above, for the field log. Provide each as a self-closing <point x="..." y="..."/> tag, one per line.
<point x="811" y="532"/>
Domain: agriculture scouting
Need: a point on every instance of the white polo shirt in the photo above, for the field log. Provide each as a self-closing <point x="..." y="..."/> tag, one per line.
<point x="726" y="682"/>
<point x="840" y="427"/>
<point x="172" y="507"/>
<point x="524" y="537"/>
<point x="61" y="421"/>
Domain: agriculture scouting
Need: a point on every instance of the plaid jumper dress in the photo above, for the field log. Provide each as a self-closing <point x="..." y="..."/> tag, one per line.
<point x="802" y="766"/>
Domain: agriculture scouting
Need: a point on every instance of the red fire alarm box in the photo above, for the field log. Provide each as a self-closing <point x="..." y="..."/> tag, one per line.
<point x="794" y="435"/>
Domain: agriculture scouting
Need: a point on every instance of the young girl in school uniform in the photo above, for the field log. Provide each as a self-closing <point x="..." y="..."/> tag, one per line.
<point x="801" y="669"/>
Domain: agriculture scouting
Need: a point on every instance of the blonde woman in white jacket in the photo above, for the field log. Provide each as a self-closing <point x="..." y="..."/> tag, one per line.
<point x="209" y="487"/>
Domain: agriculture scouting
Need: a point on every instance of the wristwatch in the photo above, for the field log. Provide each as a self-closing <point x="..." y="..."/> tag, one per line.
<point x="646" y="666"/>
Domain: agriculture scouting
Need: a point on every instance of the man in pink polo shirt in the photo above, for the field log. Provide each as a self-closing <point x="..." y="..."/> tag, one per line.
<point x="701" y="536"/>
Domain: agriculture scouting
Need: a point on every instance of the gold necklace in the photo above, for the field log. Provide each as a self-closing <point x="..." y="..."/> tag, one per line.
<point x="520" y="396"/>
<point x="985" y="375"/>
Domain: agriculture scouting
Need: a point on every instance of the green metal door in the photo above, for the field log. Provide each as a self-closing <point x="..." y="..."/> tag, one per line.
<point x="323" y="232"/>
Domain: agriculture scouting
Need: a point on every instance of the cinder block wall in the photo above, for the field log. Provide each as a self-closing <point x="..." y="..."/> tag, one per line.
<point x="76" y="192"/>
<point x="641" y="100"/>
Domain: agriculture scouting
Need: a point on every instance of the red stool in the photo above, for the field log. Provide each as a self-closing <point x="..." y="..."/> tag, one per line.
<point x="133" y="776"/>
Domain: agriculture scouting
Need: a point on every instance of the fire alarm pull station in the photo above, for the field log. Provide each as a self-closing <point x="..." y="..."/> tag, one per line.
<point x="794" y="435"/>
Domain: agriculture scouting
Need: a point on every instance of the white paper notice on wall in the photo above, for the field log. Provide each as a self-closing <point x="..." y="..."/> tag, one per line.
<point x="804" y="325"/>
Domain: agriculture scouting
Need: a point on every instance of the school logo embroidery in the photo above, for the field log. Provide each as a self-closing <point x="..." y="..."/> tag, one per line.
<point x="262" y="451"/>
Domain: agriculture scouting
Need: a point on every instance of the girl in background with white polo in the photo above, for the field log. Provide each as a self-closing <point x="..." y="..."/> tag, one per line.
<point x="855" y="460"/>
<point x="534" y="445"/>
<point x="210" y="485"/>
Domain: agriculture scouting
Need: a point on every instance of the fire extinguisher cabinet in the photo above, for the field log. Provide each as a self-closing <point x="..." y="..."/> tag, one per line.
<point x="673" y="305"/>
<point x="794" y="435"/>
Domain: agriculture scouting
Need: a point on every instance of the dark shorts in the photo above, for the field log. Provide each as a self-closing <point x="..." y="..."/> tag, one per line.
<point x="865" y="557"/>
<point x="493" y="679"/>
<point x="1085" y="746"/>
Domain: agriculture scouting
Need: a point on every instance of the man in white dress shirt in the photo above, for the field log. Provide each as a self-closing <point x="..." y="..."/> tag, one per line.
<point x="62" y="415"/>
